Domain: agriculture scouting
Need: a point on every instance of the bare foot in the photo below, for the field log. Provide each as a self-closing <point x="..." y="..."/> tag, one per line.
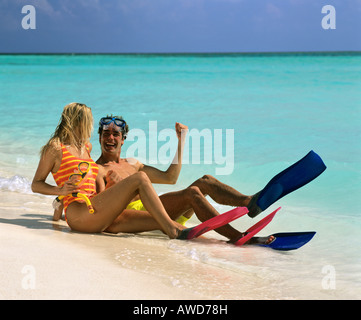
<point x="261" y="240"/>
<point x="255" y="240"/>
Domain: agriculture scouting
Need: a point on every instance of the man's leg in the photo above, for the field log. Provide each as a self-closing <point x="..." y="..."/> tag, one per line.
<point x="192" y="199"/>
<point x="220" y="192"/>
<point x="177" y="203"/>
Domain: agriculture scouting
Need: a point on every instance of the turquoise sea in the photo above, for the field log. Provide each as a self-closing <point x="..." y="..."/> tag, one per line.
<point x="276" y="108"/>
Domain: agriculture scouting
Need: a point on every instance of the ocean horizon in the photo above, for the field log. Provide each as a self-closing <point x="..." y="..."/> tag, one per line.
<point x="196" y="53"/>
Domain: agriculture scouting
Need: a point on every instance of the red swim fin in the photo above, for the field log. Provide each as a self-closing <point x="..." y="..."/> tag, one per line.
<point x="252" y="231"/>
<point x="213" y="223"/>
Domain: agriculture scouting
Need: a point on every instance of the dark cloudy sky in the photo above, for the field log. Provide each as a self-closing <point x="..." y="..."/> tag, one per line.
<point x="123" y="26"/>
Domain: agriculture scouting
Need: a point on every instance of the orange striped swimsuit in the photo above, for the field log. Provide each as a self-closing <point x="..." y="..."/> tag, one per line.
<point x="82" y="171"/>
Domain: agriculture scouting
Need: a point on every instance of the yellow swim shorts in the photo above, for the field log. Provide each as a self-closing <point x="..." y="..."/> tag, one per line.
<point x="138" y="205"/>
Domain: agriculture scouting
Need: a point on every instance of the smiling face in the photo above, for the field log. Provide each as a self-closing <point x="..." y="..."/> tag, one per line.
<point x="111" y="141"/>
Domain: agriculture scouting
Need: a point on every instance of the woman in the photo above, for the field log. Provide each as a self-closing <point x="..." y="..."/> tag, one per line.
<point x="64" y="155"/>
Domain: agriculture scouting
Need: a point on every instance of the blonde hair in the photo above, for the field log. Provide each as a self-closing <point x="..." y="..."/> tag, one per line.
<point x="74" y="128"/>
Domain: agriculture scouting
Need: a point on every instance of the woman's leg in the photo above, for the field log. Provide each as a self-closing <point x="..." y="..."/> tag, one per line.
<point x="134" y="221"/>
<point x="111" y="202"/>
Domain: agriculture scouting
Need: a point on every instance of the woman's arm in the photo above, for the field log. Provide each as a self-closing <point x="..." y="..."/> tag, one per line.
<point x="46" y="164"/>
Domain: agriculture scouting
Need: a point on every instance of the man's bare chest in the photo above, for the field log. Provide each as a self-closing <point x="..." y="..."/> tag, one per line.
<point x="123" y="168"/>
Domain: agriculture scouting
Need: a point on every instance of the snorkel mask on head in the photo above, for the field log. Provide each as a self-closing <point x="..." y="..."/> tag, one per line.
<point x="118" y="123"/>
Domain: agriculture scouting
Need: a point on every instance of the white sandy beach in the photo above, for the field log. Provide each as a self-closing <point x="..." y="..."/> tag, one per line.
<point x="42" y="259"/>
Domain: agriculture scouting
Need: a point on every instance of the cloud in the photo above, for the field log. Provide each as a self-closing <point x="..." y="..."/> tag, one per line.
<point x="45" y="6"/>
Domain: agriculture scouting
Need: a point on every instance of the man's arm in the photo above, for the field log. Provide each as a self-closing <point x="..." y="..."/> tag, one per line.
<point x="170" y="176"/>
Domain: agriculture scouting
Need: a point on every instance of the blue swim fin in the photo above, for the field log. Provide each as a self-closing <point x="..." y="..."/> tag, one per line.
<point x="289" y="240"/>
<point x="290" y="179"/>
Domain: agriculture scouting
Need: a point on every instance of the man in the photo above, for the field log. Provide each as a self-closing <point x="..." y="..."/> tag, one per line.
<point x="180" y="205"/>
